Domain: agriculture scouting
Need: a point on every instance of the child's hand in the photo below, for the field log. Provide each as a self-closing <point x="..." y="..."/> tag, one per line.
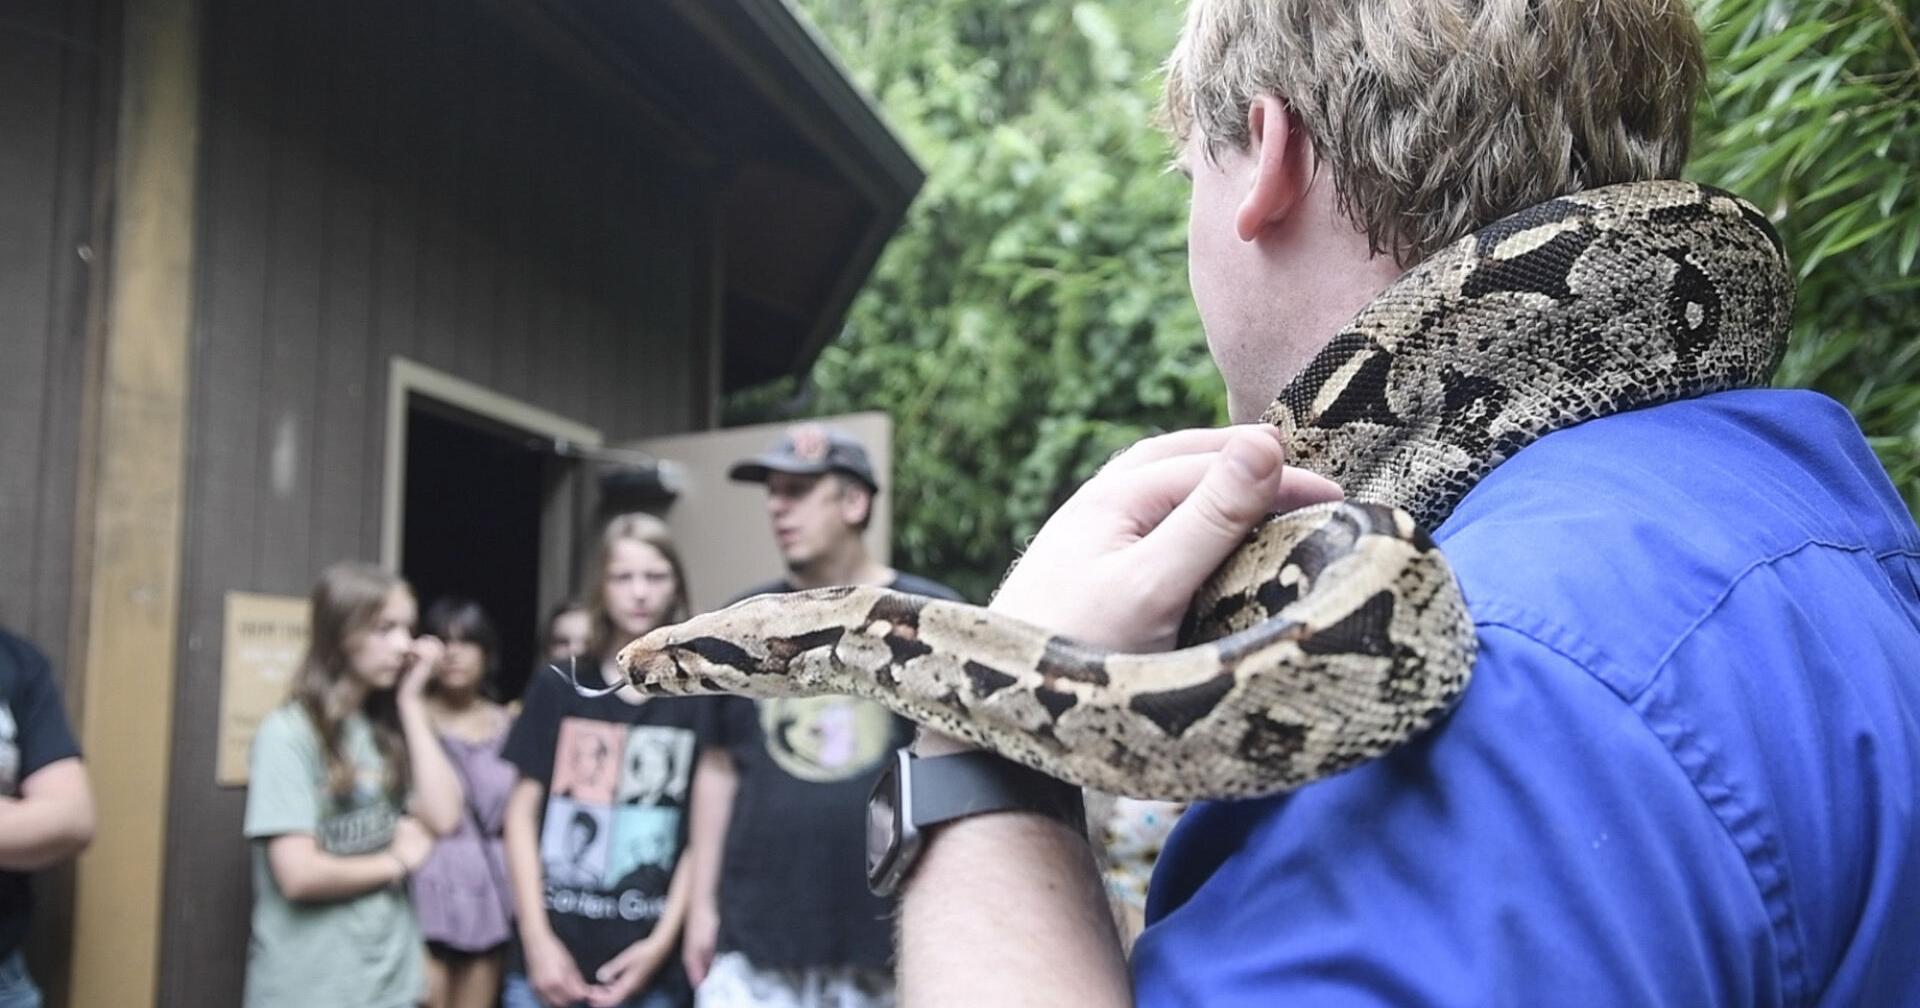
<point x="421" y="660"/>
<point x="698" y="942"/>
<point x="626" y="973"/>
<point x="411" y="843"/>
<point x="552" y="972"/>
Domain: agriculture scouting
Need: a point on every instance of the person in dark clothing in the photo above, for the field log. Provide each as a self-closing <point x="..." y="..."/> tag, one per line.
<point x="46" y="804"/>
<point x="597" y="822"/>
<point x="781" y="914"/>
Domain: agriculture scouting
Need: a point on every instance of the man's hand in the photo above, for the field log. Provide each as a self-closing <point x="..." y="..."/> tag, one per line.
<point x="626" y="973"/>
<point x="1114" y="567"/>
<point x="1117" y="564"/>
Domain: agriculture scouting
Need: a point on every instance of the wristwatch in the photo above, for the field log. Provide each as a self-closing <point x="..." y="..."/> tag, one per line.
<point x="916" y="793"/>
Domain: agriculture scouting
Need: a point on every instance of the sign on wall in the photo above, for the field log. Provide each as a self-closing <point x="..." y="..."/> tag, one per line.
<point x="266" y="635"/>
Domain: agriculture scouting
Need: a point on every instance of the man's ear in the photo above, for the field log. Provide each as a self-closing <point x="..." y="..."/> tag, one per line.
<point x="1282" y="169"/>
<point x="856" y="502"/>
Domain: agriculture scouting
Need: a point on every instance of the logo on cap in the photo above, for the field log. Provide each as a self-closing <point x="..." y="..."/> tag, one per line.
<point x="810" y="442"/>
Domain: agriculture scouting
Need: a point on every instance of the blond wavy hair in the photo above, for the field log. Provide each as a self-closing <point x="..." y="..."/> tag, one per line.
<point x="1435" y="117"/>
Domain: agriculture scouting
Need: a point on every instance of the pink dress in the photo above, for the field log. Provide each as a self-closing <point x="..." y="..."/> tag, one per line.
<point x="461" y="894"/>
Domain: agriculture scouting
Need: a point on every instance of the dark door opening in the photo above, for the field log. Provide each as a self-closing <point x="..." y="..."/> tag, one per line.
<point x="473" y="505"/>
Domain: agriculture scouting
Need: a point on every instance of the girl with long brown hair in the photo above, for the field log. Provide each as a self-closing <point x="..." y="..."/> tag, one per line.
<point x="597" y="822"/>
<point x="348" y="788"/>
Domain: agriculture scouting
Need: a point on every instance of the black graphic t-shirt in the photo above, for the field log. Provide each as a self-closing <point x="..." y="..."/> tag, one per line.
<point x="618" y="777"/>
<point x="793" y="885"/>
<point x="33" y="733"/>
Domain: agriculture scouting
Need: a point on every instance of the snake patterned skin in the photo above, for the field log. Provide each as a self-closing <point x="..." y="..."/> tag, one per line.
<point x="1336" y="632"/>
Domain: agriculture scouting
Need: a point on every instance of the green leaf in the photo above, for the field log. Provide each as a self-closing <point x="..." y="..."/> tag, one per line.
<point x="1094" y="22"/>
<point x="1909" y="246"/>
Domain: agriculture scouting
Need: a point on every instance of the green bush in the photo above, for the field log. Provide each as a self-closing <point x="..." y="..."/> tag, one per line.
<point x="1032" y="316"/>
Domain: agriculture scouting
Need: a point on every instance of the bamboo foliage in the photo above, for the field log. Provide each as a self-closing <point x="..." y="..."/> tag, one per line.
<point x="1814" y="114"/>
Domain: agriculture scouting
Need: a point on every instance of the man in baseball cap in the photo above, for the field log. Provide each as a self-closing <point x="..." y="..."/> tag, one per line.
<point x="810" y="450"/>
<point x="780" y="911"/>
<point x="820" y="490"/>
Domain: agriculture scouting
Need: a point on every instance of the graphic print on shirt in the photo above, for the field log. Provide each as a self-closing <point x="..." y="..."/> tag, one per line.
<point x="9" y="751"/>
<point x="657" y="766"/>
<point x="363" y="822"/>
<point x="614" y="818"/>
<point x="827" y="738"/>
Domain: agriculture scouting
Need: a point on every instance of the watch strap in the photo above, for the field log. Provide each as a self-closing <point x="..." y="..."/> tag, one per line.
<point x="970" y="783"/>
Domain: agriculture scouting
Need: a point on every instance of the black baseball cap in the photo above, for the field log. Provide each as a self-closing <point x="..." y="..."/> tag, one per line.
<point x="809" y="450"/>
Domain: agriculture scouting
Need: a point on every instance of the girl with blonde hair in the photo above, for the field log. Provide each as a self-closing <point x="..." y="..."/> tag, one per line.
<point x="600" y="909"/>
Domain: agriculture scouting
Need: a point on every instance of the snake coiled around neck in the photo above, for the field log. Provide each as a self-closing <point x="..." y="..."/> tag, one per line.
<point x="1337" y="632"/>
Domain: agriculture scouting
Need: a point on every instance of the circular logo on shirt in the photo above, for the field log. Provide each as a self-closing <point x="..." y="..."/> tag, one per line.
<point x="825" y="739"/>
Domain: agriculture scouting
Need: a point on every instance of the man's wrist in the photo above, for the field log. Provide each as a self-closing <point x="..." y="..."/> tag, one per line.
<point x="924" y="792"/>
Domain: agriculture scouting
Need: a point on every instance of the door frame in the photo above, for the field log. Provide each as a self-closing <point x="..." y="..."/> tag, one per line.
<point x="405" y="378"/>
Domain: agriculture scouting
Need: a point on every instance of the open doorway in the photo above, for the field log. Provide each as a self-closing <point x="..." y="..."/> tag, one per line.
<point x="475" y="497"/>
<point x="479" y="502"/>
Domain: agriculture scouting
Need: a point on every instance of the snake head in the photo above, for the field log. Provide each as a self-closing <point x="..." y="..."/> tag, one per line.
<point x="681" y="660"/>
<point x="756" y="647"/>
<point x="651" y="666"/>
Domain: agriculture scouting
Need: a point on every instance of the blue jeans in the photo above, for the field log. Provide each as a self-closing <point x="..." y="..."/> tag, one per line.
<point x="518" y="993"/>
<point x="16" y="987"/>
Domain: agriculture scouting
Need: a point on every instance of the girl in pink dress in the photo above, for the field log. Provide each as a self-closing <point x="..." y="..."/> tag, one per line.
<point x="461" y="895"/>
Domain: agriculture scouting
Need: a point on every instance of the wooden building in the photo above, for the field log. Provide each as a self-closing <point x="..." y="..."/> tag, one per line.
<point x="283" y="283"/>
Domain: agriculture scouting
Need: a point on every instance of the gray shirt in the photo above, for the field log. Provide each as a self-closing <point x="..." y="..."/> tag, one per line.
<point x="362" y="951"/>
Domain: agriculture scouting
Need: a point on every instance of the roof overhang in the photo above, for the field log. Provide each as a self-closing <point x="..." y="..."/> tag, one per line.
<point x="810" y="181"/>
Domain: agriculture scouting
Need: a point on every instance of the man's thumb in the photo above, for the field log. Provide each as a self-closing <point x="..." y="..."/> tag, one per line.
<point x="1237" y="491"/>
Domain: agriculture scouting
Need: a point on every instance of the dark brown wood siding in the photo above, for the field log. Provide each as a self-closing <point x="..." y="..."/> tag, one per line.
<point x="380" y="180"/>
<point x="56" y="121"/>
<point x="53" y="128"/>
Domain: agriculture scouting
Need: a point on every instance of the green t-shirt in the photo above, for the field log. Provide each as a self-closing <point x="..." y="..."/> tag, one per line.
<point x="362" y="951"/>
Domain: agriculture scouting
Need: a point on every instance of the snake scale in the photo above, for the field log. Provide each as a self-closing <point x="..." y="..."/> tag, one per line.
<point x="1337" y="632"/>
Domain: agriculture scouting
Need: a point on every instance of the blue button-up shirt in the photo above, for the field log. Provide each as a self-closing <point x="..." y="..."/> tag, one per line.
<point x="1685" y="773"/>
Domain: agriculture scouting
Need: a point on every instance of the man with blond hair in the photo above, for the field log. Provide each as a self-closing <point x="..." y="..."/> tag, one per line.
<point x="1685" y="770"/>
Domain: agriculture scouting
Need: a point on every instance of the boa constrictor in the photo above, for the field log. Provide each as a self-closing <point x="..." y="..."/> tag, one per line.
<point x="1336" y="632"/>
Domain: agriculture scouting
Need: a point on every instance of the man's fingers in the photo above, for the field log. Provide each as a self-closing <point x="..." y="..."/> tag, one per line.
<point x="1239" y="487"/>
<point x="1299" y="488"/>
<point x="1193" y="441"/>
<point x="1148" y="493"/>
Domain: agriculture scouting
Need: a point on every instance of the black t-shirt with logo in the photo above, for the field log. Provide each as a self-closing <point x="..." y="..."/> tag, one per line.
<point x="793" y="889"/>
<point x="33" y="733"/>
<point x="618" y="777"/>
